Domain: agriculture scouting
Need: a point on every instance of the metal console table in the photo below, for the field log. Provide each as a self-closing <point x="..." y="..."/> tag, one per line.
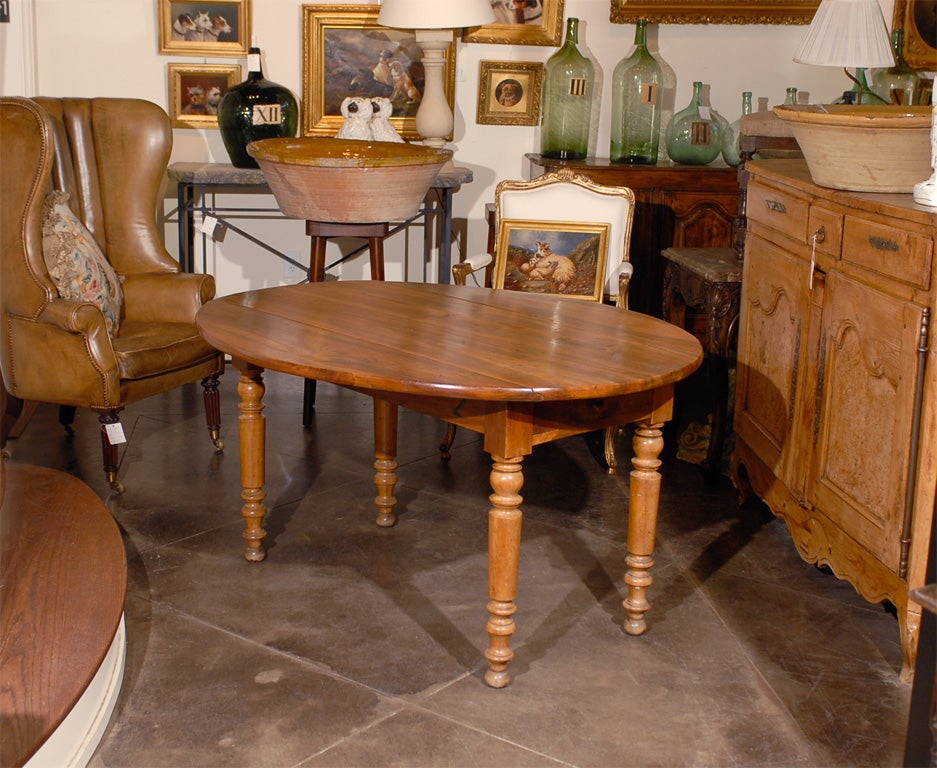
<point x="199" y="182"/>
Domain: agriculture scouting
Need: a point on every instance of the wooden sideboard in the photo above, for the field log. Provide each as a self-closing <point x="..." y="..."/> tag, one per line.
<point x="836" y="397"/>
<point x="676" y="205"/>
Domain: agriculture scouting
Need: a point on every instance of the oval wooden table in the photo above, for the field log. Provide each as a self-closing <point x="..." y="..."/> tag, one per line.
<point x="520" y="369"/>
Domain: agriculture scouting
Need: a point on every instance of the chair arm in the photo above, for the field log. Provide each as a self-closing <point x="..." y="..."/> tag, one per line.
<point x="65" y="356"/>
<point x="463" y="269"/>
<point x="167" y="297"/>
<point x="618" y="284"/>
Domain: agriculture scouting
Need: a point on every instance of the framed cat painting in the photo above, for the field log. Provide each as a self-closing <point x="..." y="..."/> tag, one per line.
<point x="563" y="258"/>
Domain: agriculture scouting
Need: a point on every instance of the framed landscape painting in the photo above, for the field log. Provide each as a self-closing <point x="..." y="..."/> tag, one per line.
<point x="563" y="258"/>
<point x="347" y="53"/>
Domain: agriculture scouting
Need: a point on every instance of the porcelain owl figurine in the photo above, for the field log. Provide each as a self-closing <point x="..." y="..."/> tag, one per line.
<point x="357" y="113"/>
<point x="381" y="128"/>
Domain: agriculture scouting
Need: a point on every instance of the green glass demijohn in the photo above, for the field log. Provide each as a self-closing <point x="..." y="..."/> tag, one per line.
<point x="567" y="100"/>
<point x="731" y="148"/>
<point x="253" y="110"/>
<point x="694" y="136"/>
<point x="636" y="104"/>
<point x="897" y="84"/>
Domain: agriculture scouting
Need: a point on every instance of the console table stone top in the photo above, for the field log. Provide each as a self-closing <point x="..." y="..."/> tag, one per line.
<point x="225" y="173"/>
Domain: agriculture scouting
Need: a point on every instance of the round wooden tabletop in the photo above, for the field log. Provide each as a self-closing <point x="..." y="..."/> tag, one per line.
<point x="450" y="341"/>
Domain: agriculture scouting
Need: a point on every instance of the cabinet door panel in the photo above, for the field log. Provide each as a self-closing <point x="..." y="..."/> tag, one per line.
<point x="867" y="378"/>
<point x="774" y="298"/>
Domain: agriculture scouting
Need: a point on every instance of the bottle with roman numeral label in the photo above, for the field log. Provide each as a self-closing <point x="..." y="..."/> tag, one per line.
<point x="567" y="100"/>
<point x="694" y="136"/>
<point x="636" y="101"/>
<point x="253" y="110"/>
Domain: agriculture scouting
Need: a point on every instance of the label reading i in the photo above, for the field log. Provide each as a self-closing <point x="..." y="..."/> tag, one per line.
<point x="649" y="93"/>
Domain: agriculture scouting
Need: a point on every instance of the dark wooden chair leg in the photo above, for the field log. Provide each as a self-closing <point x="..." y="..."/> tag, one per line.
<point x="213" y="410"/>
<point x="309" y="401"/>
<point x="67" y="418"/>
<point x="109" y="449"/>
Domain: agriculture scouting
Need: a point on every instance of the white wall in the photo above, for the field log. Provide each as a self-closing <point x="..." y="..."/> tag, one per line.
<point x="110" y="48"/>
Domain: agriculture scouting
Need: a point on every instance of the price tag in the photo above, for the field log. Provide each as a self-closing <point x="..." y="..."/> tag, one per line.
<point x="115" y="433"/>
<point x="208" y="225"/>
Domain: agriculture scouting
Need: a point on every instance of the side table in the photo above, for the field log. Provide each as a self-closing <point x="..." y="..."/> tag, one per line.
<point x="709" y="279"/>
<point x="199" y="182"/>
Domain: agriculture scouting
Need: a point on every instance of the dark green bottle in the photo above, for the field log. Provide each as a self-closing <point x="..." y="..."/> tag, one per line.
<point x="567" y="100"/>
<point x="253" y="110"/>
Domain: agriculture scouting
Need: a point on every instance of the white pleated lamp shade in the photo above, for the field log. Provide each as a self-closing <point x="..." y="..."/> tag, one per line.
<point x="429" y="14"/>
<point x="847" y="33"/>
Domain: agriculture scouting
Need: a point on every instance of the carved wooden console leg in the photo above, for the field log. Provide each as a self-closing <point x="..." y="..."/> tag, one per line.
<point x="252" y="433"/>
<point x="642" y="523"/>
<point x="385" y="461"/>
<point x="504" y="549"/>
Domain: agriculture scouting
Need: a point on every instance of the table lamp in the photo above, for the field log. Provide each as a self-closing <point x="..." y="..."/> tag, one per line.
<point x="847" y="33"/>
<point x="433" y="25"/>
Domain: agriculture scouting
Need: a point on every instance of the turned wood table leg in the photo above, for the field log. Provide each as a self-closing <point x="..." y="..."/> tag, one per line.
<point x="385" y="461"/>
<point x="504" y="549"/>
<point x="642" y="523"/>
<point x="251" y="430"/>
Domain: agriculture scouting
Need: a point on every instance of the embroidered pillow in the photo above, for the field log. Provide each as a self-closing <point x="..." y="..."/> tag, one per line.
<point x="76" y="263"/>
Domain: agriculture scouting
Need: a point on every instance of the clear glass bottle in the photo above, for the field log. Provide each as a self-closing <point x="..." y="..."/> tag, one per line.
<point x="791" y="96"/>
<point x="730" y="141"/>
<point x="253" y="110"/>
<point x="897" y="84"/>
<point x="865" y="95"/>
<point x="568" y="81"/>
<point x="636" y="104"/>
<point x="694" y="136"/>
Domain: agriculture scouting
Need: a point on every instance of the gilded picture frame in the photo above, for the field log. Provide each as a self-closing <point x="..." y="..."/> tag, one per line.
<point x="195" y="91"/>
<point x="558" y="258"/>
<point x="918" y="19"/>
<point x="532" y="22"/>
<point x="206" y="28"/>
<point x="714" y="11"/>
<point x="509" y="93"/>
<point x="347" y="53"/>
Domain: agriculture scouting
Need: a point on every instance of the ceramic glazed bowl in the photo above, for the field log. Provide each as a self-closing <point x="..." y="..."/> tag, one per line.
<point x="348" y="181"/>
<point x="863" y="148"/>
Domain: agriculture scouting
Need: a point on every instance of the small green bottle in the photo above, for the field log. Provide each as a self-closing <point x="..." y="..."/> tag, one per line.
<point x="694" y="137"/>
<point x="636" y="101"/>
<point x="567" y="100"/>
<point x="731" y="150"/>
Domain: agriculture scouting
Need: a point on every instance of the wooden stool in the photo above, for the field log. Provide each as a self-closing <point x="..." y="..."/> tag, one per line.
<point x="319" y="233"/>
<point x="709" y="279"/>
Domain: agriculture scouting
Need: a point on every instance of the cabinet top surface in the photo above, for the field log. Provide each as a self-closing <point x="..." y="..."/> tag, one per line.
<point x="794" y="173"/>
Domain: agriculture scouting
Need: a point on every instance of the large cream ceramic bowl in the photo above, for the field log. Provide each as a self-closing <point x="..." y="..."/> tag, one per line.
<point x="863" y="148"/>
<point x="344" y="180"/>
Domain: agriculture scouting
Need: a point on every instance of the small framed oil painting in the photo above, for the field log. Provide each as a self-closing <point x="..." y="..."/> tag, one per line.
<point x="205" y="28"/>
<point x="509" y="93"/>
<point x="562" y="258"/>
<point x="521" y="22"/>
<point x="195" y="90"/>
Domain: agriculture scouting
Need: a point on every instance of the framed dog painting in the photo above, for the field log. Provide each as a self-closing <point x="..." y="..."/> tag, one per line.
<point x="918" y="19"/>
<point x="195" y="90"/>
<point x="562" y="258"/>
<point x="347" y="53"/>
<point x="521" y="22"/>
<point x="509" y="93"/>
<point x="713" y="11"/>
<point x="206" y="28"/>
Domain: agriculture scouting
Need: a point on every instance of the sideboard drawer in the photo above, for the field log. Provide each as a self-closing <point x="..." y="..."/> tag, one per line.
<point x="780" y="210"/>
<point x="827" y="225"/>
<point x="888" y="251"/>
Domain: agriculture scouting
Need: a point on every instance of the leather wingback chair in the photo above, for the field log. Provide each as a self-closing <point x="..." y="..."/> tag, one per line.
<point x="110" y="156"/>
